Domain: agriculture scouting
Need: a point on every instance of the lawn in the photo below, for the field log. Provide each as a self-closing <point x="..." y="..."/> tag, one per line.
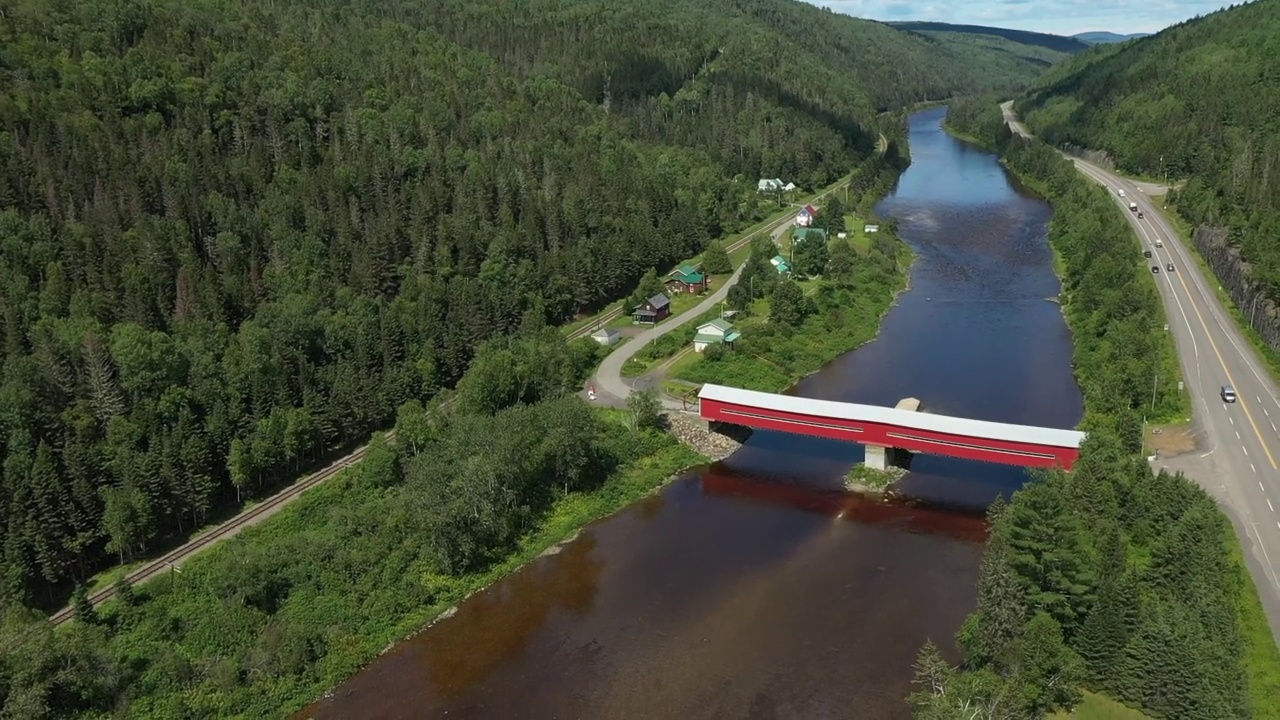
<point x="1099" y="707"/>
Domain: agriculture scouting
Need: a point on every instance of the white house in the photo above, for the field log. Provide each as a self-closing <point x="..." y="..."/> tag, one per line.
<point x="870" y="228"/>
<point x="769" y="185"/>
<point x="806" y="215"/>
<point x="715" y="332"/>
<point x="789" y="187"/>
<point x="606" y="336"/>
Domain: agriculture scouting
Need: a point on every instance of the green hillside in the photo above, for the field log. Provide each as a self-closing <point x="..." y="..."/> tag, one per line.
<point x="1013" y="54"/>
<point x="235" y="236"/>
<point x="1197" y="101"/>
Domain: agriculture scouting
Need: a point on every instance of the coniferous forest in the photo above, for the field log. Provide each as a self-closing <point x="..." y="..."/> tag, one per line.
<point x="1195" y="103"/>
<point x="1108" y="577"/>
<point x="236" y="235"/>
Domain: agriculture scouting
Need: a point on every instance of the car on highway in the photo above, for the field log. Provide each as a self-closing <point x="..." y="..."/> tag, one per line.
<point x="1139" y="214"/>
<point x="1169" y="267"/>
<point x="1228" y="394"/>
<point x="1159" y="243"/>
<point x="1146" y="253"/>
<point x="1155" y="268"/>
<point x="1121" y="192"/>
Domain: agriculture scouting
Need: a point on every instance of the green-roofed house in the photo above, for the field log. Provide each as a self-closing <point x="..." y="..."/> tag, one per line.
<point x="780" y="263"/>
<point x="687" y="279"/>
<point x="801" y="235"/>
<point x="715" y="332"/>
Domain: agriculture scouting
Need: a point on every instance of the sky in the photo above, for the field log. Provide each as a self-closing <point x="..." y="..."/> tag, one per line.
<point x="1060" y="17"/>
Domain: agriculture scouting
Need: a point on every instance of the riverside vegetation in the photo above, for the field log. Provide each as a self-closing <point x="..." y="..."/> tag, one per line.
<point x="1108" y="578"/>
<point x="830" y="303"/>
<point x="235" y="237"/>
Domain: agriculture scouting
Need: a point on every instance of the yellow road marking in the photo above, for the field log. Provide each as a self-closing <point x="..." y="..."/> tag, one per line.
<point x="1239" y="398"/>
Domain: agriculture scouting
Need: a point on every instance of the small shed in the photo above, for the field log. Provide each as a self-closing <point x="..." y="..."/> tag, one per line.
<point x="780" y="263"/>
<point x="870" y="228"/>
<point x="606" y="336"/>
<point x="715" y="332"/>
<point x="652" y="311"/>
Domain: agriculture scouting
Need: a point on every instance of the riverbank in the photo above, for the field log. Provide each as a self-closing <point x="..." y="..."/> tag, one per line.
<point x="270" y="620"/>
<point x="1123" y="538"/>
<point x="772" y="356"/>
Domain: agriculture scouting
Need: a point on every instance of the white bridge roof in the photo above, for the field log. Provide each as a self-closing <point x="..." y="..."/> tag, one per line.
<point x="892" y="416"/>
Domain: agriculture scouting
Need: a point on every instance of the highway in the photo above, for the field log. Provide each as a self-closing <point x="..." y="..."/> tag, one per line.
<point x="1240" y="442"/>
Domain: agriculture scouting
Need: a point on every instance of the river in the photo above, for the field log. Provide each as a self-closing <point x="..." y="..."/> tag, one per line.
<point x="754" y="588"/>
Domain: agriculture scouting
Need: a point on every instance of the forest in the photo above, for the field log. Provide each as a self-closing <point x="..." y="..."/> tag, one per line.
<point x="1195" y="103"/>
<point x="1108" y="578"/>
<point x="235" y="237"/>
<point x="263" y="623"/>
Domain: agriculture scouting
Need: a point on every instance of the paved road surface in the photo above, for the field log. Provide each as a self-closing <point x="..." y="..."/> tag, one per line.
<point x="609" y="383"/>
<point x="1241" y="442"/>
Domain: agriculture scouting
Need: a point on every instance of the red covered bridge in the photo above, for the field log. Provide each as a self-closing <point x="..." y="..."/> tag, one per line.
<point x="880" y="427"/>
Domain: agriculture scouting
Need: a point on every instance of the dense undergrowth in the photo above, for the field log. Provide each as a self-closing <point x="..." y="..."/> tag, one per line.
<point x="1110" y="577"/>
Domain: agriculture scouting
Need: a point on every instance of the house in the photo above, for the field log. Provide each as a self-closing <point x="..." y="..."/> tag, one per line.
<point x="687" y="279"/>
<point x="801" y="235"/>
<point x="789" y="187"/>
<point x="806" y="215"/>
<point x="780" y="263"/>
<point x="606" y="336"/>
<point x="870" y="228"/>
<point x="769" y="185"/>
<point x="652" y="311"/>
<point x="716" y="332"/>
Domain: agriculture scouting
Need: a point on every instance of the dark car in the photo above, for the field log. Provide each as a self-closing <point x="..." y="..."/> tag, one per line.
<point x="1146" y="253"/>
<point x="1139" y="214"/>
<point x="1169" y="267"/>
<point x="1155" y="268"/>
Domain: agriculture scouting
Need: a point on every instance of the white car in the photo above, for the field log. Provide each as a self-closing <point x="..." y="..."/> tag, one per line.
<point x="1121" y="192"/>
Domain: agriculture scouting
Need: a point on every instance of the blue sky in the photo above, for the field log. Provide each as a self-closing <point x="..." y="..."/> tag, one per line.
<point x="1061" y="17"/>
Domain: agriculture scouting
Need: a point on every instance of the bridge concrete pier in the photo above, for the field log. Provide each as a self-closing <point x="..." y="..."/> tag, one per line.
<point x="880" y="457"/>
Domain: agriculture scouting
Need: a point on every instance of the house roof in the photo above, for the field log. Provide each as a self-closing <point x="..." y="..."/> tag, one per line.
<point x="687" y="274"/>
<point x="710" y="339"/>
<point x="803" y="234"/>
<point x="893" y="416"/>
<point x="606" y="333"/>
<point x="659" y="301"/>
<point x="723" y="326"/>
<point x="778" y="260"/>
<point x="811" y="210"/>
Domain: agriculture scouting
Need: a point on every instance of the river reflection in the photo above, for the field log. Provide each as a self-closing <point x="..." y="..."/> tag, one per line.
<point x="755" y="588"/>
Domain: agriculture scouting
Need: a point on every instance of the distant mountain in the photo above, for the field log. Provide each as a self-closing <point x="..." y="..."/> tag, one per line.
<point x="1057" y="43"/>
<point x="1101" y="37"/>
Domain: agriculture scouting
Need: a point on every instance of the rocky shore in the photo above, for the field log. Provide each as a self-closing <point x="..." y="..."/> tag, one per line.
<point x="693" y="433"/>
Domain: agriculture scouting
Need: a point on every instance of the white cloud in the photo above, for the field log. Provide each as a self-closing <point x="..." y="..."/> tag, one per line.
<point x="1060" y="17"/>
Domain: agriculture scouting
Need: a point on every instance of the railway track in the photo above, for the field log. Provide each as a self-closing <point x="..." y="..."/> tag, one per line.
<point x="254" y="514"/>
<point x="170" y="560"/>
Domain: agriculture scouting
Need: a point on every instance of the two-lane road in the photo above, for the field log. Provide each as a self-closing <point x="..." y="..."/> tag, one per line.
<point x="1240" y="460"/>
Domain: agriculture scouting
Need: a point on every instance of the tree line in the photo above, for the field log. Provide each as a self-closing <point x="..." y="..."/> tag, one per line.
<point x="269" y="620"/>
<point x="234" y="237"/>
<point x="1110" y="577"/>
<point x="1195" y="102"/>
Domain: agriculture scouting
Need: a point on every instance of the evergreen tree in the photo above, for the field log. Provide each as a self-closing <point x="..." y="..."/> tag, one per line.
<point x="988" y="635"/>
<point x="84" y="610"/>
<point x="715" y="261"/>
<point x="787" y="304"/>
<point x="843" y="261"/>
<point x="810" y="256"/>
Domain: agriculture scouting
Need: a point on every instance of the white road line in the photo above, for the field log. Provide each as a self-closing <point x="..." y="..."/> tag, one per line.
<point x="1246" y="450"/>
<point x="1231" y="420"/>
<point x="1262" y="488"/>
<point x="1251" y="467"/>
<point x="1238" y="435"/>
<point x="1269" y="505"/>
<point x="1264" y="411"/>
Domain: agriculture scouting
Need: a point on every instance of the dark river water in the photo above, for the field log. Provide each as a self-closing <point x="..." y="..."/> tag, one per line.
<point x="755" y="589"/>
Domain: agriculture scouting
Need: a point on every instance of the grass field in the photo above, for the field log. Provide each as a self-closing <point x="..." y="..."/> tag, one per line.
<point x="1099" y="707"/>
